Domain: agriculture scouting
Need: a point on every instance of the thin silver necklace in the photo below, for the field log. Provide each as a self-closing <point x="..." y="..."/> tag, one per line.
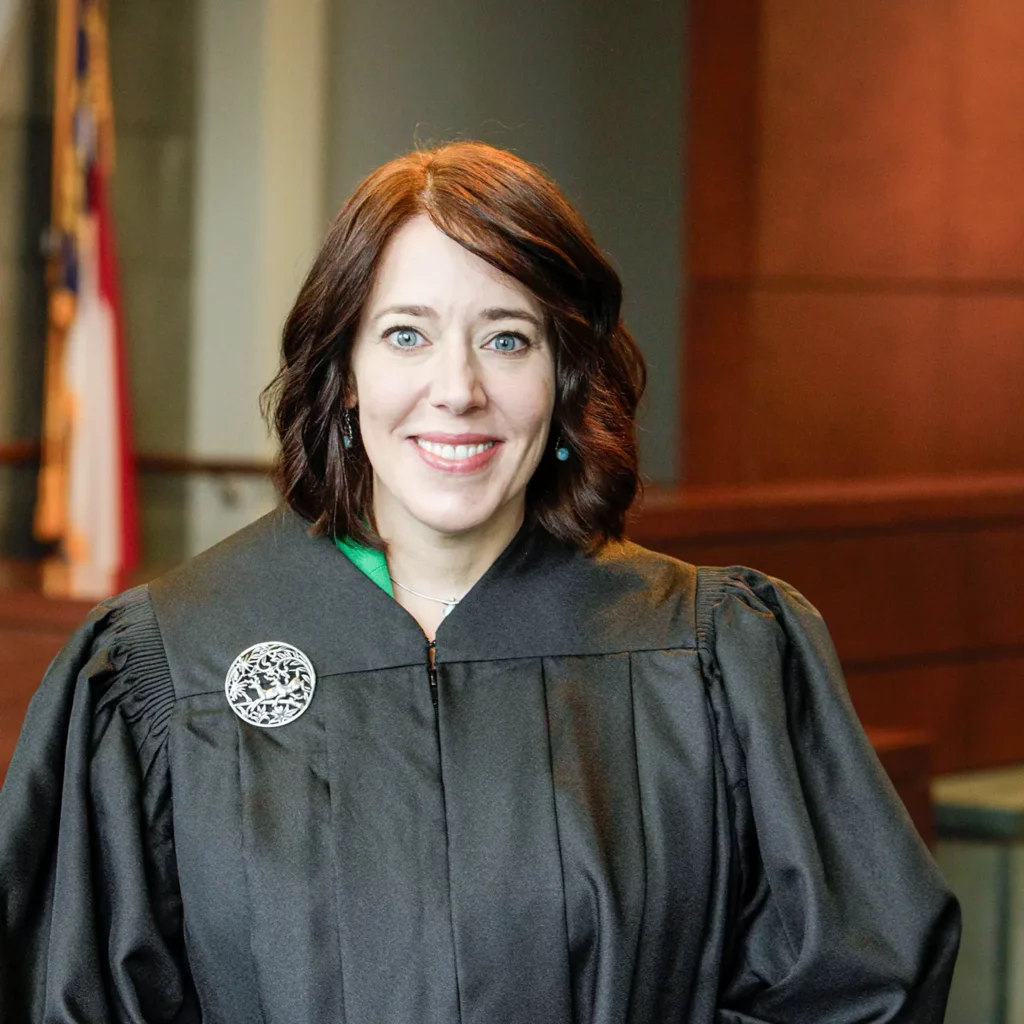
<point x="448" y="604"/>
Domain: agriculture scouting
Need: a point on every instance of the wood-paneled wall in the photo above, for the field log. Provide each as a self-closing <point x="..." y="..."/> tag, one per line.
<point x="855" y="239"/>
<point x="855" y="342"/>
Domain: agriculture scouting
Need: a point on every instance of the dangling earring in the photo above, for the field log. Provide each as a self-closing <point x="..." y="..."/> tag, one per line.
<point x="346" y="428"/>
<point x="561" y="452"/>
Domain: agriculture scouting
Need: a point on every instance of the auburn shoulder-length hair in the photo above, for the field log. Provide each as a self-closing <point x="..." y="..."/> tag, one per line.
<point x="510" y="214"/>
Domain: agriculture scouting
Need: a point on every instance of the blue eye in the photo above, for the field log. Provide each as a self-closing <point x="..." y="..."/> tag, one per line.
<point x="509" y="342"/>
<point x="404" y="337"/>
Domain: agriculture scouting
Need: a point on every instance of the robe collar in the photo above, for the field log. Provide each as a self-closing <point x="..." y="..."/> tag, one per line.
<point x="274" y="580"/>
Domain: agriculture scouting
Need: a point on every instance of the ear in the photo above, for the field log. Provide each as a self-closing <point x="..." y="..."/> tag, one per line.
<point x="351" y="394"/>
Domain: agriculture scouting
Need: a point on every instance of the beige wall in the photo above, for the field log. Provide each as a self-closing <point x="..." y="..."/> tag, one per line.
<point x="152" y="53"/>
<point x="258" y="223"/>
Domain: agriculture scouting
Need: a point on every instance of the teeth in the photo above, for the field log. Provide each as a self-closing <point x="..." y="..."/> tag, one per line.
<point x="454" y="452"/>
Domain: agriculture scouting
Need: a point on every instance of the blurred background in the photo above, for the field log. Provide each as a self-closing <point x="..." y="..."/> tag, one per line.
<point x="817" y="211"/>
<point x="241" y="128"/>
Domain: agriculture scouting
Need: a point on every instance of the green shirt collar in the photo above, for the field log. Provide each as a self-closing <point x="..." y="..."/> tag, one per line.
<point x="368" y="561"/>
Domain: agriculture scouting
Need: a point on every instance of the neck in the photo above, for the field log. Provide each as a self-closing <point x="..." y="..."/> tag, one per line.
<point x="441" y="564"/>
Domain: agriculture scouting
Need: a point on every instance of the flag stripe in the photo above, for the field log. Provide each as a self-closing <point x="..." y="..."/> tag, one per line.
<point x="111" y="291"/>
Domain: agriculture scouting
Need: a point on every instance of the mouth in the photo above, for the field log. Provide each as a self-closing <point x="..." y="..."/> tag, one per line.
<point x="457" y="454"/>
<point x="454" y="452"/>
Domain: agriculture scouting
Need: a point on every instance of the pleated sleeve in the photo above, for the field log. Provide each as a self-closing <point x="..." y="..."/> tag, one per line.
<point x="90" y="916"/>
<point x="840" y="914"/>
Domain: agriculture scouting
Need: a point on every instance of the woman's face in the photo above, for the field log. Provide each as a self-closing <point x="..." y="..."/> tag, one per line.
<point x="454" y="377"/>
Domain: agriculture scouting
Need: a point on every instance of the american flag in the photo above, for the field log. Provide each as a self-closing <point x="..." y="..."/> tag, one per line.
<point x="87" y="503"/>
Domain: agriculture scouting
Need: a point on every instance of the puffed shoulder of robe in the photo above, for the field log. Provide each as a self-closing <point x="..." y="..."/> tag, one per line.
<point x="635" y="792"/>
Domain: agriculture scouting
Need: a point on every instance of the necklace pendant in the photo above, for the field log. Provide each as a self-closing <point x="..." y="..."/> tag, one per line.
<point x="449" y="607"/>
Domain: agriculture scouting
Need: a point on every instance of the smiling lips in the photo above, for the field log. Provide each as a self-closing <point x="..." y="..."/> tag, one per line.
<point x="464" y="453"/>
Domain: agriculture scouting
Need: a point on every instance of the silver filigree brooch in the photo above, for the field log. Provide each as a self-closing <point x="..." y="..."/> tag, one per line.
<point x="270" y="684"/>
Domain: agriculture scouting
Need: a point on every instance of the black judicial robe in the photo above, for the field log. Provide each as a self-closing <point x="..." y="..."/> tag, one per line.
<point x="642" y="796"/>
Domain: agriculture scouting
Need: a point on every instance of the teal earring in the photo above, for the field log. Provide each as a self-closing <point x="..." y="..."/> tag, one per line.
<point x="561" y="452"/>
<point x="346" y="428"/>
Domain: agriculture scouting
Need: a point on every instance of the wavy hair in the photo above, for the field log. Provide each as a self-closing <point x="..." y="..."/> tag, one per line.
<point x="510" y="214"/>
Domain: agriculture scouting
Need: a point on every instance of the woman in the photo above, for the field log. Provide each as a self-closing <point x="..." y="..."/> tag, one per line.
<point x="430" y="743"/>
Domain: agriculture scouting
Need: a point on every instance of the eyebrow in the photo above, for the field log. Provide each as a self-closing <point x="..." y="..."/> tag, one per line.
<point x="491" y="313"/>
<point x="503" y="313"/>
<point x="424" y="312"/>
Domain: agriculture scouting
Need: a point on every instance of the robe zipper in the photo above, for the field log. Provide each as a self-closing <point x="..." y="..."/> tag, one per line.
<point x="432" y="673"/>
<point x="432" y="680"/>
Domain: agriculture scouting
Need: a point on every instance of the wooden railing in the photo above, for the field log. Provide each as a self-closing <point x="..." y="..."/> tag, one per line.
<point x="828" y="506"/>
<point x="19" y="453"/>
<point x="26" y="453"/>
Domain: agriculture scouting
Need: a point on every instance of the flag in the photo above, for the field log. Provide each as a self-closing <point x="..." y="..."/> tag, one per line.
<point x="87" y="502"/>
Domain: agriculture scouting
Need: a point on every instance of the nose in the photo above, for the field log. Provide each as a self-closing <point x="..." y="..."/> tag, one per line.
<point x="456" y="384"/>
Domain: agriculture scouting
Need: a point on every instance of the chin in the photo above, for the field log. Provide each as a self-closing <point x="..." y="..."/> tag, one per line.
<point x="444" y="518"/>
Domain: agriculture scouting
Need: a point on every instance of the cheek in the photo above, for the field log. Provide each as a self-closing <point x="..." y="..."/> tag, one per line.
<point x="382" y="389"/>
<point x="385" y="400"/>
<point x="528" y="403"/>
